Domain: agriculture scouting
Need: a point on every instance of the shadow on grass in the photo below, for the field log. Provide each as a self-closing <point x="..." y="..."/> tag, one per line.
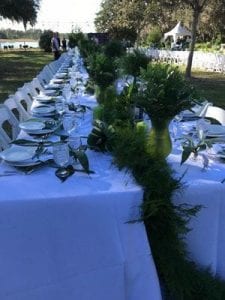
<point x="18" y="67"/>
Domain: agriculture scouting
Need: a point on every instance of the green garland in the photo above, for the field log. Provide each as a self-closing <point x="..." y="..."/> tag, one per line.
<point x="166" y="224"/>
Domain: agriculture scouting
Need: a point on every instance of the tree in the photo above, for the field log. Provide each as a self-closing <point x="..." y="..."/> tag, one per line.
<point x="45" y="40"/>
<point x="20" y="10"/>
<point x="121" y="19"/>
<point x="197" y="7"/>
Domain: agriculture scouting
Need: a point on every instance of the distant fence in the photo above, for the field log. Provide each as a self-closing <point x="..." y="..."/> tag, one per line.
<point x="201" y="60"/>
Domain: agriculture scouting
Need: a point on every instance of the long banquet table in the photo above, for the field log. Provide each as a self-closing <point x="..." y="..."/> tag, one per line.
<point x="205" y="187"/>
<point x="73" y="240"/>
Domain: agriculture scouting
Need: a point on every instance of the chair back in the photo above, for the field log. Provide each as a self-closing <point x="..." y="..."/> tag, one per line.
<point x="9" y="125"/>
<point x="13" y="107"/>
<point x="216" y="113"/>
<point x="24" y="103"/>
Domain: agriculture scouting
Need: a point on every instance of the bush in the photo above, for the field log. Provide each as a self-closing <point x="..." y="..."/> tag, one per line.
<point x="132" y="63"/>
<point x="101" y="69"/>
<point x="75" y="38"/>
<point x="114" y="49"/>
<point x="154" y="37"/>
<point x="45" y="40"/>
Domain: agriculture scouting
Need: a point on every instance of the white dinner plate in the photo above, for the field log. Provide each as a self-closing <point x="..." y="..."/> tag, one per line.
<point x="18" y="154"/>
<point x="38" y="126"/>
<point x="50" y="92"/>
<point x="214" y="130"/>
<point x="25" y="163"/>
<point x="61" y="75"/>
<point x="32" y="125"/>
<point x="44" y="98"/>
<point x="53" y="86"/>
<point x="44" y="110"/>
<point x="57" y="81"/>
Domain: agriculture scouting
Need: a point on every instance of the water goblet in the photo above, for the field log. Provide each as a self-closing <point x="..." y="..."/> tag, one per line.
<point x="67" y="93"/>
<point x="60" y="107"/>
<point x="202" y="129"/>
<point x="61" y="154"/>
<point x="69" y="123"/>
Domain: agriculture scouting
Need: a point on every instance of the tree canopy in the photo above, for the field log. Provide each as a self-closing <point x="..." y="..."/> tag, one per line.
<point x="205" y="18"/>
<point x="20" y="10"/>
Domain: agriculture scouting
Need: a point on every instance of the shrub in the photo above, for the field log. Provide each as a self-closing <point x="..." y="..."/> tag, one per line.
<point x="74" y="38"/>
<point x="154" y="37"/>
<point x="45" y="40"/>
<point x="114" y="49"/>
<point x="132" y="63"/>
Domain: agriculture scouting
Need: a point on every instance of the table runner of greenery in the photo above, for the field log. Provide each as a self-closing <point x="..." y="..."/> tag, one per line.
<point x="166" y="223"/>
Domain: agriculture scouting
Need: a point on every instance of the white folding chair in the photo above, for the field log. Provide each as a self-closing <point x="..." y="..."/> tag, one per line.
<point x="54" y="66"/>
<point x="37" y="86"/>
<point x="216" y="113"/>
<point x="14" y="108"/>
<point x="24" y="103"/>
<point x="45" y="75"/>
<point x="29" y="90"/>
<point x="9" y="125"/>
<point x="3" y="142"/>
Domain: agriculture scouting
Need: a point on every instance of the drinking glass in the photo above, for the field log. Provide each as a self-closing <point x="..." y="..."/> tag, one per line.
<point x="69" y="123"/>
<point x="67" y="93"/>
<point x="75" y="142"/>
<point x="61" y="154"/>
<point x="60" y="107"/>
<point x="202" y="129"/>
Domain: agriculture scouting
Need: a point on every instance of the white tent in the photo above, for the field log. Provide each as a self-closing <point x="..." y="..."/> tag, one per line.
<point x="177" y="31"/>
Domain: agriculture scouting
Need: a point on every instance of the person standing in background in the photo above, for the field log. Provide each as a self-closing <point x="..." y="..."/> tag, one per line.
<point x="58" y="38"/>
<point x="64" y="44"/>
<point x="55" y="43"/>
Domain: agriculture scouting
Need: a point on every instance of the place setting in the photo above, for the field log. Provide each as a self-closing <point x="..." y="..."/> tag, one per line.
<point x="35" y="126"/>
<point x="44" y="111"/>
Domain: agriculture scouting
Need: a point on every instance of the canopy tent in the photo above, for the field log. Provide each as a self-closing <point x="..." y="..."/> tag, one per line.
<point x="177" y="31"/>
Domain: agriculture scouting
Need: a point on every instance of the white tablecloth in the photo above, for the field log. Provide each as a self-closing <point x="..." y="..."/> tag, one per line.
<point x="206" y="240"/>
<point x="71" y="240"/>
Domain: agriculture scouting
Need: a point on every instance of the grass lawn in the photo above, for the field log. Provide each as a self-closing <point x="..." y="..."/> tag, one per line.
<point x="210" y="85"/>
<point x="18" y="67"/>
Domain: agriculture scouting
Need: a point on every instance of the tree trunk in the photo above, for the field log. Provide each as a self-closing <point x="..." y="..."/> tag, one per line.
<point x="196" y="14"/>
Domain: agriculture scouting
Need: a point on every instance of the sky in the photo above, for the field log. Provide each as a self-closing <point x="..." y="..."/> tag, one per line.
<point x="63" y="16"/>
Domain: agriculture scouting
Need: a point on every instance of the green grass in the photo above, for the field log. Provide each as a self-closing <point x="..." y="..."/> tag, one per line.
<point x="18" y="67"/>
<point x="210" y="85"/>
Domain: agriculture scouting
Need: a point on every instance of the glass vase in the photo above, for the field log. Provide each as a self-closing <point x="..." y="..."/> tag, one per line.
<point x="159" y="140"/>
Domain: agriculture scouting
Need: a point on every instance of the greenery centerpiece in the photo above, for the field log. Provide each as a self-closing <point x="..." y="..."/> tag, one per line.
<point x="163" y="93"/>
<point x="102" y="72"/>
